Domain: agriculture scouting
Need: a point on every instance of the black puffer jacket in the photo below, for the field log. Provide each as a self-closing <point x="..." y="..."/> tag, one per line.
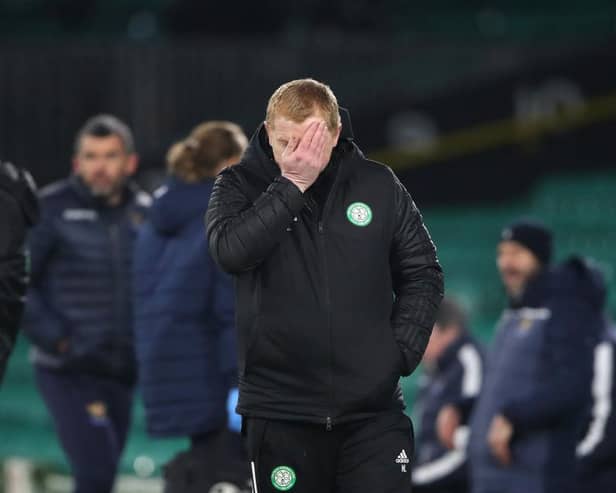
<point x="337" y="288"/>
<point x="18" y="211"/>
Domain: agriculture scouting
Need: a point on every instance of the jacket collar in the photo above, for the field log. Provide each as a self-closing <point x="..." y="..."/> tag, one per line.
<point x="179" y="202"/>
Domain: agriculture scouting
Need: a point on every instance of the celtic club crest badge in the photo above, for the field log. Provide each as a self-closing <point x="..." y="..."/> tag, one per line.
<point x="359" y="214"/>
<point x="283" y="478"/>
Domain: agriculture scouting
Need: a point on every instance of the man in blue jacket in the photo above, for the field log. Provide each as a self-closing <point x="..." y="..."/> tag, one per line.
<point x="184" y="316"/>
<point x="596" y="452"/>
<point x="528" y="418"/>
<point x="79" y="314"/>
<point x="452" y="374"/>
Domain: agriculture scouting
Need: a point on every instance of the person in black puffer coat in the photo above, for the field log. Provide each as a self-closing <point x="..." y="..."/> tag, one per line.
<point x="18" y="212"/>
<point x="337" y="288"/>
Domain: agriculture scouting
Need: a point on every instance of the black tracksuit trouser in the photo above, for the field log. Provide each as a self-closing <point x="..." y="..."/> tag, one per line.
<point x="368" y="456"/>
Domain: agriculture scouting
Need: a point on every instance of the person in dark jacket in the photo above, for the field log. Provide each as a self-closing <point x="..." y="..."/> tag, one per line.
<point x="79" y="310"/>
<point x="596" y="452"/>
<point x="452" y="373"/>
<point x="18" y="212"/>
<point x="528" y="418"/>
<point x="184" y="322"/>
<point x="338" y="285"/>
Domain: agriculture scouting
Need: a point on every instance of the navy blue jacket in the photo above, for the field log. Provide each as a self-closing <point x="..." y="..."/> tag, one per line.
<point x="456" y="376"/>
<point x="538" y="374"/>
<point x="81" y="289"/>
<point x="184" y="314"/>
<point x="597" y="450"/>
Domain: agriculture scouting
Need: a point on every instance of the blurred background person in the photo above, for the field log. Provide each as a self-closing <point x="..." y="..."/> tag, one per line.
<point x="79" y="311"/>
<point x="528" y="417"/>
<point x="18" y="212"/>
<point x="452" y="374"/>
<point x="185" y="331"/>
<point x="596" y="452"/>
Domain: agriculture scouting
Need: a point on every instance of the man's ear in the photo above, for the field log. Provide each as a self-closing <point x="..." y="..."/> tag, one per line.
<point x="75" y="164"/>
<point x="132" y="164"/>
<point x="337" y="136"/>
<point x="267" y="132"/>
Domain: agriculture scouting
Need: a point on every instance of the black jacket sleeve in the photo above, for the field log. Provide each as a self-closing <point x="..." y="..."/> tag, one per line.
<point x="18" y="211"/>
<point x="417" y="278"/>
<point x="241" y="233"/>
<point x="12" y="290"/>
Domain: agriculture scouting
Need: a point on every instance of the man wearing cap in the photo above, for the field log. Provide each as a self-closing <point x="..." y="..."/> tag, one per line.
<point x="527" y="421"/>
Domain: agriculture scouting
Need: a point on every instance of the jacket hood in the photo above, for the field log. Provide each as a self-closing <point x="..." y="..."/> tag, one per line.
<point x="178" y="203"/>
<point x="575" y="277"/>
<point x="580" y="275"/>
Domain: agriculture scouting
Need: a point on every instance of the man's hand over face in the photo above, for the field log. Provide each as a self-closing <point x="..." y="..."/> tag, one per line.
<point x="303" y="161"/>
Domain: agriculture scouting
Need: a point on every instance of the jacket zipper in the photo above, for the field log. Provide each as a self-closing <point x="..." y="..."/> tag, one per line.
<point x="321" y="229"/>
<point x="114" y="237"/>
<point x="328" y="419"/>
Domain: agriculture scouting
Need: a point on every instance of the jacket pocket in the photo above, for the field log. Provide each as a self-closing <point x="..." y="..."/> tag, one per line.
<point x="253" y="339"/>
<point x="400" y="362"/>
<point x="253" y="333"/>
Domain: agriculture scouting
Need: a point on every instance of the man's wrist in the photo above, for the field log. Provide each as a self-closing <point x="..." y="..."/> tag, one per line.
<point x="290" y="194"/>
<point x="295" y="182"/>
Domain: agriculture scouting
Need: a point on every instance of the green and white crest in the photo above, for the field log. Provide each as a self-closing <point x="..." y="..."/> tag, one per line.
<point x="359" y="214"/>
<point x="283" y="478"/>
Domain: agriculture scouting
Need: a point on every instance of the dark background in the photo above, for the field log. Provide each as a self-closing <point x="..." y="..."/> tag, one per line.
<point x="520" y="80"/>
